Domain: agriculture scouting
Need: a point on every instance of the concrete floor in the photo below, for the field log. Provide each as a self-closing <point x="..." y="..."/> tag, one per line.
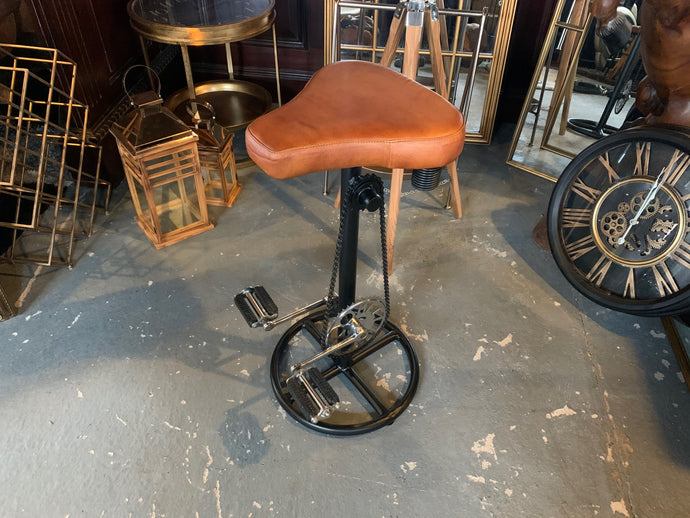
<point x="131" y="386"/>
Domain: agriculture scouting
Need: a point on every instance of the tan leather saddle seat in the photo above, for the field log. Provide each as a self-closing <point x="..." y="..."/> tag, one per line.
<point x="352" y="114"/>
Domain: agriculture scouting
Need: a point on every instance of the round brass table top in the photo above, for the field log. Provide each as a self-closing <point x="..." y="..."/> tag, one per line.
<point x="200" y="22"/>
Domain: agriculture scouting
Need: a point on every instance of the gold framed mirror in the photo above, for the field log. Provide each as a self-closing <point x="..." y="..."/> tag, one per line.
<point x="362" y="35"/>
<point x="580" y="92"/>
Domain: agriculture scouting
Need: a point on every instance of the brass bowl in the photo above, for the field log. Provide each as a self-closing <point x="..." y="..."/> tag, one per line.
<point x="236" y="103"/>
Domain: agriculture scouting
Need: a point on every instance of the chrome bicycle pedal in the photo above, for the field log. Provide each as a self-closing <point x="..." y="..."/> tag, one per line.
<point x="256" y="305"/>
<point x="313" y="394"/>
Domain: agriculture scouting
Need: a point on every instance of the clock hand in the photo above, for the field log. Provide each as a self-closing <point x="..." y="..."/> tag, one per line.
<point x="658" y="183"/>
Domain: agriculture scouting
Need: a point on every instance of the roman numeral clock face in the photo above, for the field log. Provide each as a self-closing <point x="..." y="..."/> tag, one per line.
<point x="619" y="221"/>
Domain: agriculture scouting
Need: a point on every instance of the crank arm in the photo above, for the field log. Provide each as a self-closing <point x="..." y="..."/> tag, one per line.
<point x="259" y="310"/>
<point x="330" y="350"/>
<point x="302" y="312"/>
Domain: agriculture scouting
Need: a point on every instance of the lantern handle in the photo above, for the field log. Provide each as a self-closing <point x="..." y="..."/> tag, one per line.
<point x="151" y="74"/>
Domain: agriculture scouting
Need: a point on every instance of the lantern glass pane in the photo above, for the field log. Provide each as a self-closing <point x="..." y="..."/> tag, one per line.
<point x="177" y="203"/>
<point x="141" y="203"/>
<point x="216" y="183"/>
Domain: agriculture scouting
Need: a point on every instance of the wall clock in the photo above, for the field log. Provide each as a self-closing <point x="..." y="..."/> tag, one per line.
<point x="619" y="221"/>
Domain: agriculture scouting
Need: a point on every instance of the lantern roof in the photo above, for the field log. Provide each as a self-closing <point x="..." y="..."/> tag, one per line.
<point x="150" y="125"/>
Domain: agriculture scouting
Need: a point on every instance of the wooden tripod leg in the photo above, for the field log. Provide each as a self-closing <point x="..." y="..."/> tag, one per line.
<point x="413" y="41"/>
<point x="434" y="36"/>
<point x="394" y="35"/>
<point x="433" y="29"/>
<point x="393" y="210"/>
<point x="454" y="195"/>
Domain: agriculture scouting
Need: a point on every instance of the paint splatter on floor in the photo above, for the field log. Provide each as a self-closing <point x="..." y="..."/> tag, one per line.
<point x="561" y="412"/>
<point x="485" y="445"/>
<point x="478" y="354"/>
<point x="506" y="341"/>
<point x="620" y="508"/>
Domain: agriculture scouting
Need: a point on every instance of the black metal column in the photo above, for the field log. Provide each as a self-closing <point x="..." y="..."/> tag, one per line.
<point x="349" y="212"/>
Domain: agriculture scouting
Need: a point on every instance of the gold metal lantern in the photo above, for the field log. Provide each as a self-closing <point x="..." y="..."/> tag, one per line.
<point x="161" y="162"/>
<point x="216" y="155"/>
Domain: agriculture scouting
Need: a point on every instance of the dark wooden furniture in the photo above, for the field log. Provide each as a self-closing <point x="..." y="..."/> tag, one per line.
<point x="532" y="18"/>
<point x="299" y="30"/>
<point x="96" y="35"/>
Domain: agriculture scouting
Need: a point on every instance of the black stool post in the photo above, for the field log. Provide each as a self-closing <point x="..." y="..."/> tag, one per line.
<point x="349" y="213"/>
<point x="362" y="195"/>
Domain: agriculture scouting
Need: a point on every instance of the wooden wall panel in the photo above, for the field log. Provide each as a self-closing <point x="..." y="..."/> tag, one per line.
<point x="531" y="24"/>
<point x="299" y="30"/>
<point x="96" y="35"/>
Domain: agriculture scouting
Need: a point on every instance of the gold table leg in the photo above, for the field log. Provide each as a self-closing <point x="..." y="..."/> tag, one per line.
<point x="147" y="62"/>
<point x="188" y="71"/>
<point x="228" y="57"/>
<point x="275" y="57"/>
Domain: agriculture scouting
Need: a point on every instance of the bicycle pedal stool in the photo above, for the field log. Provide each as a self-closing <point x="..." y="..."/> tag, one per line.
<point x="256" y="305"/>
<point x="351" y="114"/>
<point x="313" y="394"/>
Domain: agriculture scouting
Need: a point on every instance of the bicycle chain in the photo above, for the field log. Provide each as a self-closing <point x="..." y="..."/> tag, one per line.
<point x="345" y="200"/>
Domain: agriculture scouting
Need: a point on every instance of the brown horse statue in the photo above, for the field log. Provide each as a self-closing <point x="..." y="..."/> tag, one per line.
<point x="664" y="95"/>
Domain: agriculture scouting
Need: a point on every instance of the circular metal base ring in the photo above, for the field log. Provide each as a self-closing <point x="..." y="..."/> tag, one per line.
<point x="381" y="408"/>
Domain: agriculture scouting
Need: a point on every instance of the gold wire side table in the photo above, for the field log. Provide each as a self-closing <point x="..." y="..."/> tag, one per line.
<point x="50" y="181"/>
<point x="210" y="22"/>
